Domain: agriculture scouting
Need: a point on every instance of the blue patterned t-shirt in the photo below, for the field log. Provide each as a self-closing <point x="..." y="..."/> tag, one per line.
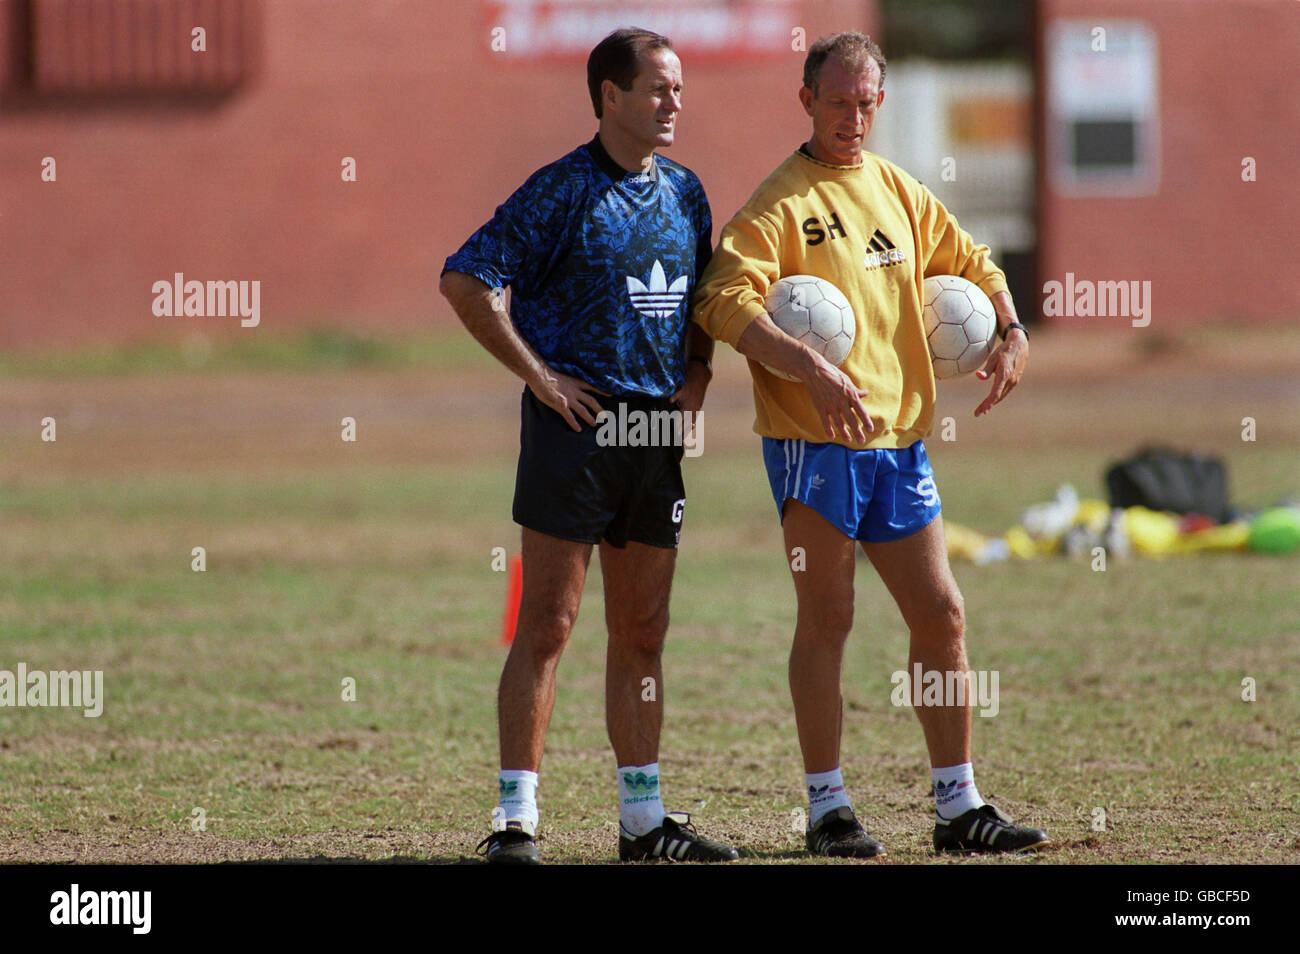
<point x="601" y="263"/>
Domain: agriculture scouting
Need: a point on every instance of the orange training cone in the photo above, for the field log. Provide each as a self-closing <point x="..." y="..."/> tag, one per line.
<point x="514" y="591"/>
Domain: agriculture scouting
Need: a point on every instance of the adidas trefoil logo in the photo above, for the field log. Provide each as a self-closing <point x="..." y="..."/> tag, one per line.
<point x="946" y="793"/>
<point x="659" y="299"/>
<point x="818" y="793"/>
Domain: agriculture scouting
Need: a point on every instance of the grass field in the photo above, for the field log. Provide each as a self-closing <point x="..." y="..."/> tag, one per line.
<point x="327" y="560"/>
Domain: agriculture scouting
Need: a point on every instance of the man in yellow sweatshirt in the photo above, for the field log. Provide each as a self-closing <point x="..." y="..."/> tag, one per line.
<point x="843" y="445"/>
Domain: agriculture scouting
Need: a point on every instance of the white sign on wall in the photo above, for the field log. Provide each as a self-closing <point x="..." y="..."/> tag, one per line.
<point x="1103" y="107"/>
<point x="568" y="29"/>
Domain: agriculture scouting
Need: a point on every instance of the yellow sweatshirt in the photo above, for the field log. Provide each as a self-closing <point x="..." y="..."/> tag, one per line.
<point x="875" y="233"/>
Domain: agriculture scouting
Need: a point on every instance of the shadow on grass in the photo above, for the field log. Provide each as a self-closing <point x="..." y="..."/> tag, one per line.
<point x="326" y="860"/>
<point x="787" y="854"/>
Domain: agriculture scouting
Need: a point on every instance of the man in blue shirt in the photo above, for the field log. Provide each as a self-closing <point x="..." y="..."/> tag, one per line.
<point x="601" y="250"/>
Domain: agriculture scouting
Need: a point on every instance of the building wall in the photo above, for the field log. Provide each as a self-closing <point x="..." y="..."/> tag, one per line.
<point x="1212" y="245"/>
<point x="248" y="187"/>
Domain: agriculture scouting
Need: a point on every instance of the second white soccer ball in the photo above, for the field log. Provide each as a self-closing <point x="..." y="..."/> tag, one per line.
<point x="812" y="310"/>
<point x="960" y="324"/>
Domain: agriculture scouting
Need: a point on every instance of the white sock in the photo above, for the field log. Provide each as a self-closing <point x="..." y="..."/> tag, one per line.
<point x="640" y="807"/>
<point x="954" y="790"/>
<point x="825" y="794"/>
<point x="518" y="800"/>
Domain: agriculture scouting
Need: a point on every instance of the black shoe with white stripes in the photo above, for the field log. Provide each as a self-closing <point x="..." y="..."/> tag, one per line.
<point x="513" y="845"/>
<point x="985" y="829"/>
<point x="839" y="834"/>
<point x="673" y="841"/>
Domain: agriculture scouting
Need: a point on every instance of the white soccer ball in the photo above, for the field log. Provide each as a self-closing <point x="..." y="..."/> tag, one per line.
<point x="812" y="310"/>
<point x="960" y="324"/>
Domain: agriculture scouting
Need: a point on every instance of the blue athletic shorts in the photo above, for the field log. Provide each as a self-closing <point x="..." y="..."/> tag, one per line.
<point x="872" y="495"/>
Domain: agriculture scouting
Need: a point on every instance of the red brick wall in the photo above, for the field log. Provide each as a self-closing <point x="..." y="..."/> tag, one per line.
<point x="248" y="187"/>
<point x="1213" y="246"/>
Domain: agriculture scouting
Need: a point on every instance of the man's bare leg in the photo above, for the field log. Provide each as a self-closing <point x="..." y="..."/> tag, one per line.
<point x="638" y="582"/>
<point x="823" y="568"/>
<point x="824" y="589"/>
<point x="554" y="572"/>
<point x="915" y="571"/>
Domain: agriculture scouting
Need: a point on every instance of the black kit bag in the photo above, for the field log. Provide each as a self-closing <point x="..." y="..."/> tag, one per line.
<point x="1162" y="479"/>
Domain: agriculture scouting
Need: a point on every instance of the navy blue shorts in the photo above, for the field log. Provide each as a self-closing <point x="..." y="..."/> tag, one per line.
<point x="872" y="495"/>
<point x="578" y="485"/>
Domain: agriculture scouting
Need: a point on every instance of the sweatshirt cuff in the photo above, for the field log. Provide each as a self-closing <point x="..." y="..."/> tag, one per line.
<point x="733" y="326"/>
<point x="993" y="284"/>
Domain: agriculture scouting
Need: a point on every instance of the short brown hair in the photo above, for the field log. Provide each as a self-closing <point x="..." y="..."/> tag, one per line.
<point x="617" y="59"/>
<point x="850" y="48"/>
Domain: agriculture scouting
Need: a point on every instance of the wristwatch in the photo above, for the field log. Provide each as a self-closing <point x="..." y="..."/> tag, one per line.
<point x="1003" y="332"/>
